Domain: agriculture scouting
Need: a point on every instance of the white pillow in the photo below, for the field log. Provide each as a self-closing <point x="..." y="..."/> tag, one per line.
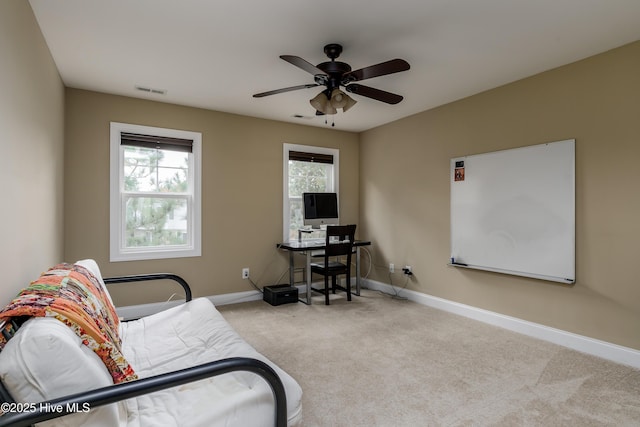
<point x="45" y="360"/>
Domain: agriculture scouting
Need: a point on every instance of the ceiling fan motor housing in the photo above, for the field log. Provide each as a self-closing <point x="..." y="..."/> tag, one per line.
<point x="335" y="70"/>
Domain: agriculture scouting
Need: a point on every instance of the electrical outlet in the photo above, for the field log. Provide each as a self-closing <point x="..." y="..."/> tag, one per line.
<point x="392" y="268"/>
<point x="245" y="273"/>
<point x="407" y="270"/>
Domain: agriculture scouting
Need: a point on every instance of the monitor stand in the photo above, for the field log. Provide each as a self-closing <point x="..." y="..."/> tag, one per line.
<point x="304" y="230"/>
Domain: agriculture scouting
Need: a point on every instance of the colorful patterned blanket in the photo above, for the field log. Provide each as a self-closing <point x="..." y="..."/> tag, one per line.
<point x="73" y="295"/>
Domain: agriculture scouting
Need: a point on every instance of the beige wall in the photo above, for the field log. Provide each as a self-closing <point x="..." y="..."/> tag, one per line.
<point x="31" y="124"/>
<point x="242" y="190"/>
<point x="404" y="177"/>
<point x="398" y="172"/>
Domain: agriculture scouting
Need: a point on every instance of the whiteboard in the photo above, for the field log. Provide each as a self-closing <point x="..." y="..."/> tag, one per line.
<point x="513" y="211"/>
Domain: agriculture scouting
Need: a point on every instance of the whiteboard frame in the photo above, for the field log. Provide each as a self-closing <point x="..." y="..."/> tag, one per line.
<point x="568" y="200"/>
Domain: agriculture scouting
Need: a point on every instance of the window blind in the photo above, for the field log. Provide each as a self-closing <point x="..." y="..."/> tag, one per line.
<point x="157" y="142"/>
<point x="311" y="157"/>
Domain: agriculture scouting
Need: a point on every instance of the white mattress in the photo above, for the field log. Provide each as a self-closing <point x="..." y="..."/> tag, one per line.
<point x="192" y="334"/>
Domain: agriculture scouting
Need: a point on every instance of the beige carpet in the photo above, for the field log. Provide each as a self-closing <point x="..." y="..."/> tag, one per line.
<point x="378" y="361"/>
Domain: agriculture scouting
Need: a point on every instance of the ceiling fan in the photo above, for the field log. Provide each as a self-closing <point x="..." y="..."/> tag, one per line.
<point x="334" y="74"/>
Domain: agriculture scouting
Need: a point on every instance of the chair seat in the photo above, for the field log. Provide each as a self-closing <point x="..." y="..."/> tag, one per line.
<point x="333" y="266"/>
<point x="320" y="254"/>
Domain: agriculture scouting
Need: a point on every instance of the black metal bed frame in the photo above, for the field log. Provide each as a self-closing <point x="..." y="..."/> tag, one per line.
<point x="115" y="393"/>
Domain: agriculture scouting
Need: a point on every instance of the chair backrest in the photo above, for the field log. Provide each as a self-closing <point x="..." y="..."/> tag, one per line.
<point x="339" y="241"/>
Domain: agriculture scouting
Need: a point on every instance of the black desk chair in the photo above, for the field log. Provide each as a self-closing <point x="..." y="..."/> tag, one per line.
<point x="339" y="243"/>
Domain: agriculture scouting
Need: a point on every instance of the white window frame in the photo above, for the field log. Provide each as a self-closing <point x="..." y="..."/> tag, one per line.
<point x="117" y="249"/>
<point x="285" y="177"/>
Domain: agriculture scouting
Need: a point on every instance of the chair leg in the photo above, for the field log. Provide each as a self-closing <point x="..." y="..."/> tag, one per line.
<point x="348" y="287"/>
<point x="334" y="282"/>
<point x="326" y="290"/>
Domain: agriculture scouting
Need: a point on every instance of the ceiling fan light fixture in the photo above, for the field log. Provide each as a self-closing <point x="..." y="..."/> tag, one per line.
<point x="319" y="102"/>
<point x="350" y="103"/>
<point x="339" y="99"/>
<point x="329" y="109"/>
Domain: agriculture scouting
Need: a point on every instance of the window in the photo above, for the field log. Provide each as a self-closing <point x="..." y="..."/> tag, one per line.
<point x="155" y="193"/>
<point x="306" y="169"/>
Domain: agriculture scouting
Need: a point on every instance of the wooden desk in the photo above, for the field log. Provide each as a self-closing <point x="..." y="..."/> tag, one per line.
<point x="307" y="247"/>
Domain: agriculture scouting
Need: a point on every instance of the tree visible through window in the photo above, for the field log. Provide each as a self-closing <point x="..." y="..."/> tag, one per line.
<point x="155" y="221"/>
<point x="155" y="196"/>
<point x="307" y="169"/>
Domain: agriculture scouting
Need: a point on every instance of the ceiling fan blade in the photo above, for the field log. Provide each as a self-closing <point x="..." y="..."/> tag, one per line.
<point x="286" y="89"/>
<point x="377" y="94"/>
<point x="382" y="69"/>
<point x="301" y="63"/>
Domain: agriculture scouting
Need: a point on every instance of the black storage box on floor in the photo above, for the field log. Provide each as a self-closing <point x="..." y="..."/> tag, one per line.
<point x="280" y="294"/>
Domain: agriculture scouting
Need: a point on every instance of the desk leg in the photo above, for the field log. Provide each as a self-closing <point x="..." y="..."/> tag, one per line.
<point x="307" y="267"/>
<point x="292" y="278"/>
<point x="358" y="270"/>
<point x="308" y="274"/>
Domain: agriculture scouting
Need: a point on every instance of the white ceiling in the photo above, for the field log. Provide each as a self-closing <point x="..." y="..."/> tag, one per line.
<point x="216" y="54"/>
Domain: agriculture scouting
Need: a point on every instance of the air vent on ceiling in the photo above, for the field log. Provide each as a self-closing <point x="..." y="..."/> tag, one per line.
<point x="300" y="116"/>
<point x="151" y="90"/>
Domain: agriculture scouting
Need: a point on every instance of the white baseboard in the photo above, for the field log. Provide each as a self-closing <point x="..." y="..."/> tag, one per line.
<point x="606" y="350"/>
<point x="129" y="312"/>
<point x="136" y="311"/>
<point x="603" y="349"/>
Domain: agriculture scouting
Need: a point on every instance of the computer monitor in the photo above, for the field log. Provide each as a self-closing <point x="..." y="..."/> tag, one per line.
<point x="320" y="209"/>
